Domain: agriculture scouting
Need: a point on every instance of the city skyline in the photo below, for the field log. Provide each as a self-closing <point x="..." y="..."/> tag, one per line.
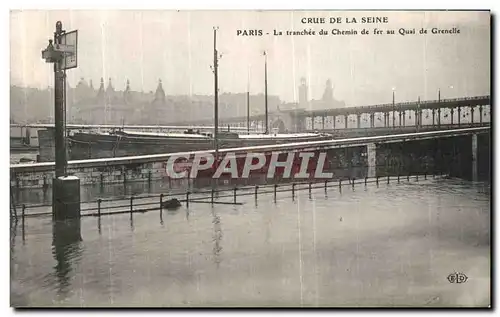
<point x="177" y="47"/>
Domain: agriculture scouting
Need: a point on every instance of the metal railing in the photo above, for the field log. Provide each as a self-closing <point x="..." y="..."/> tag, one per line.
<point x="97" y="207"/>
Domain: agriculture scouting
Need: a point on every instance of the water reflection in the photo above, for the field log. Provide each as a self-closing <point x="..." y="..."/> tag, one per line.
<point x="66" y="250"/>
<point x="131" y="222"/>
<point x="99" y="230"/>
<point x="217" y="237"/>
<point x="13" y="234"/>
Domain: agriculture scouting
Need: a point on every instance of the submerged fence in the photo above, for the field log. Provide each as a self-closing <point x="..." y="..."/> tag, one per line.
<point x="144" y="203"/>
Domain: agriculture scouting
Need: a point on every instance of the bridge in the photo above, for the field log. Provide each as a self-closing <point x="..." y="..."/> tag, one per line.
<point x="382" y="119"/>
<point x="469" y="144"/>
<point x="456" y="111"/>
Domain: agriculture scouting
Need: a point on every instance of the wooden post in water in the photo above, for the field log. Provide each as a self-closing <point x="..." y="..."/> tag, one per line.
<point x="212" y="196"/>
<point x="256" y="188"/>
<point x="275" y="189"/>
<point x="293" y="190"/>
<point x="234" y="194"/>
<point x="353" y="180"/>
<point x="131" y="205"/>
<point x="161" y="208"/>
<point x="187" y="198"/>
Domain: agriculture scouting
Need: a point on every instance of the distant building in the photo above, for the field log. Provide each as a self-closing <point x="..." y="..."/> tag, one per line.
<point x="326" y="102"/>
<point x="109" y="105"/>
<point x="303" y="99"/>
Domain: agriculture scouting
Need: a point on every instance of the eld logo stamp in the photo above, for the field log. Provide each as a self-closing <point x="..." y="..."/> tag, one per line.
<point x="457" y="278"/>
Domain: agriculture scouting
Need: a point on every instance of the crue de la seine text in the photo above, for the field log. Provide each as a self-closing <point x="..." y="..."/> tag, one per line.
<point x="338" y="20"/>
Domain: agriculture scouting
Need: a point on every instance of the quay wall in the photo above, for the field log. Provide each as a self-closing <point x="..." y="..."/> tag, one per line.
<point x="152" y="168"/>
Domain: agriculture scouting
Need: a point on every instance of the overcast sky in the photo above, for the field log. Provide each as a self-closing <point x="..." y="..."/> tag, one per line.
<point x="177" y="47"/>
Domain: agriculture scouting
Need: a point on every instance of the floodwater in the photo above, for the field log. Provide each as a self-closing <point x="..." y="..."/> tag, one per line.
<point x="387" y="245"/>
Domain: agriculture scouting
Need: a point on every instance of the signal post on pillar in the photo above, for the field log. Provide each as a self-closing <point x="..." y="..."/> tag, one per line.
<point x="62" y="52"/>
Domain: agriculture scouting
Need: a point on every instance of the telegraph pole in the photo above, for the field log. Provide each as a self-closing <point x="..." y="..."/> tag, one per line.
<point x="216" y="98"/>
<point x="248" y="103"/>
<point x="393" y="110"/>
<point x="248" y="112"/>
<point x="62" y="52"/>
<point x="265" y="93"/>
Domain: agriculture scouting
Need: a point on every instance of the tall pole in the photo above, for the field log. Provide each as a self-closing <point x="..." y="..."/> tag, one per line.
<point x="439" y="95"/>
<point x="248" y="112"/>
<point x="216" y="98"/>
<point x="265" y="92"/>
<point x="65" y="192"/>
<point x="393" y="111"/>
<point x="417" y="115"/>
<point x="59" y="86"/>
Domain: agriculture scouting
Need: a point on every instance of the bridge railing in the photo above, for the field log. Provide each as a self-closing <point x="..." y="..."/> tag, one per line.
<point x="424" y="102"/>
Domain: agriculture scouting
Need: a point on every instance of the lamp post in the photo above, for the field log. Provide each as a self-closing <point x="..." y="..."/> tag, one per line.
<point x="62" y="52"/>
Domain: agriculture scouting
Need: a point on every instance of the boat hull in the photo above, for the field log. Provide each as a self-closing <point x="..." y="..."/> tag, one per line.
<point x="89" y="146"/>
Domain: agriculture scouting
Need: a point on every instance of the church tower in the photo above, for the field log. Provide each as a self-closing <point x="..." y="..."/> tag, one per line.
<point x="160" y="93"/>
<point x="328" y="93"/>
<point x="303" y="99"/>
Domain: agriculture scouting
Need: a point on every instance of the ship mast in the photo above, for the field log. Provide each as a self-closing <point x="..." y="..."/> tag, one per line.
<point x="216" y="98"/>
<point x="265" y="93"/>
